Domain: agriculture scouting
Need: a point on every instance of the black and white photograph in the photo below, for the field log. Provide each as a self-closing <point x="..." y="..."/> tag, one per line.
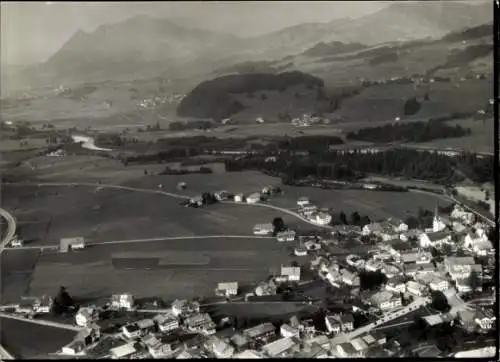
<point x="248" y="179"/>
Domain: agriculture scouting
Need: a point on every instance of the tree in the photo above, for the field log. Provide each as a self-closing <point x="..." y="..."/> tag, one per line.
<point x="343" y="218"/>
<point x="474" y="280"/>
<point x="365" y="220"/>
<point x="62" y="301"/>
<point x="208" y="199"/>
<point x="355" y="218"/>
<point x="278" y="225"/>
<point x="439" y="301"/>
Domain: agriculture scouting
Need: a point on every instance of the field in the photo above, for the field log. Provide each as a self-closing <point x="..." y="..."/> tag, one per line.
<point x="96" y="272"/>
<point x="32" y="341"/>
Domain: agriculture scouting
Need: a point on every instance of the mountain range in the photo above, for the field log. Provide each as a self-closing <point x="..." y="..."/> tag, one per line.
<point x="146" y="46"/>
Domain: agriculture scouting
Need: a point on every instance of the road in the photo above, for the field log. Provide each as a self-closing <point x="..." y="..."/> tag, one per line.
<point x="11" y="228"/>
<point x="41" y="322"/>
<point x="11" y="231"/>
<point x="165" y="193"/>
<point x="391" y="316"/>
<point x="149" y="240"/>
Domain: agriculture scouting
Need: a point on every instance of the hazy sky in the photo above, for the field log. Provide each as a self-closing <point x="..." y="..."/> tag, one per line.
<point x="32" y="31"/>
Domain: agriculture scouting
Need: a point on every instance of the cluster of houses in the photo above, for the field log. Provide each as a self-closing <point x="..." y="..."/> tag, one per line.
<point x="306" y="120"/>
<point x="250" y="198"/>
<point x="312" y="213"/>
<point x="157" y="101"/>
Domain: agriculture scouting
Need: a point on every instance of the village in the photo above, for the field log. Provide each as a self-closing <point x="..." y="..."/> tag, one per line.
<point x="405" y="269"/>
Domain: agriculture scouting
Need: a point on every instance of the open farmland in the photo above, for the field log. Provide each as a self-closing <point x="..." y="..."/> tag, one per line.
<point x="374" y="204"/>
<point x="32" y="341"/>
<point x="46" y="214"/>
<point x="16" y="271"/>
<point x="91" y="273"/>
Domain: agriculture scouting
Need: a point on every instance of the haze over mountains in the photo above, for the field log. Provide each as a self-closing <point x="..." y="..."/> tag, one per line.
<point x="144" y="46"/>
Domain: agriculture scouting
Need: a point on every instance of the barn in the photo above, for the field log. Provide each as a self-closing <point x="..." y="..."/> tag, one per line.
<point x="67" y="244"/>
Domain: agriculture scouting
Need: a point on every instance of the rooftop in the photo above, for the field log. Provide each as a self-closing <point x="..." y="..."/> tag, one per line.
<point x="259" y="330"/>
<point x="279" y="346"/>
<point x="123" y="350"/>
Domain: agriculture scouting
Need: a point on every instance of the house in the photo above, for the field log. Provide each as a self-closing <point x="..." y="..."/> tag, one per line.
<point x="339" y="323"/>
<point x="260" y="331"/>
<point x="248" y="354"/>
<point x="146" y="325"/>
<point x="434" y="239"/>
<point x="302" y="201"/>
<point x="291" y="273"/>
<point x="420" y="257"/>
<point x="150" y="341"/>
<point x="483" y="248"/>
<point x="332" y="324"/>
<point x="396" y="247"/>
<point x="349" y="278"/>
<point x="458" y="227"/>
<point x="287" y="331"/>
<point x="372" y="229"/>
<point x="221" y="349"/>
<point x="320" y="218"/>
<point x="86" y="316"/>
<point x="459" y="213"/>
<point x="385" y="300"/>
<point x="43" y="304"/>
<point x="185" y="307"/>
<point x="122" y="301"/>
<point x="360" y="345"/>
<point x="221" y="195"/>
<point x="396" y="285"/>
<point x="239" y="341"/>
<point x="227" y="289"/>
<point x="473" y="238"/>
<point x="201" y="322"/>
<point x="123" y="351"/>
<point x="160" y="351"/>
<point x="16" y="242"/>
<point x="312" y="245"/>
<point x="288" y="235"/>
<point x="485" y="319"/>
<point x="466" y="318"/>
<point x="253" y="198"/>
<point x="131" y="331"/>
<point x="390" y="270"/>
<point x="415" y="288"/>
<point x="439" y="284"/>
<point x="166" y="322"/>
<point x="373" y="265"/>
<point x="307" y="326"/>
<point x="26" y="305"/>
<point x="74" y="348"/>
<point x="308" y="210"/>
<point x="413" y="269"/>
<point x="263" y="229"/>
<point x="398" y="225"/>
<point x="451" y="261"/>
<point x="238" y="198"/>
<point x="279" y="347"/>
<point x="68" y="244"/>
<point x="300" y="250"/>
<point x="347" y="350"/>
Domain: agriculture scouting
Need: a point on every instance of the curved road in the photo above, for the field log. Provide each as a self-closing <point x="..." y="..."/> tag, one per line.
<point x="11" y="228"/>
<point x="165" y="193"/>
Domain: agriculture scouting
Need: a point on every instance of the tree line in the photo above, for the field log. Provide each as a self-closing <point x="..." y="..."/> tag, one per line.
<point x="409" y="132"/>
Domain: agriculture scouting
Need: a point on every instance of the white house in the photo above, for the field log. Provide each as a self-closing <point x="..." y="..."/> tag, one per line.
<point x="398" y="225"/>
<point x="123" y="351"/>
<point x="160" y="351"/>
<point x="458" y="227"/>
<point x="434" y="239"/>
<point x="372" y="228"/>
<point x="439" y="284"/>
<point x="350" y="278"/>
<point x="332" y="324"/>
<point x="321" y="218"/>
<point x="122" y="301"/>
<point x="253" y="198"/>
<point x="415" y="288"/>
<point x="476" y="240"/>
<point x="221" y="349"/>
<point x="185" y="307"/>
<point x="308" y="210"/>
<point x="300" y="250"/>
<point x="43" y="305"/>
<point x="485" y="319"/>
<point x="395" y="285"/>
<point x="291" y="273"/>
<point x="373" y="265"/>
<point x="288" y="235"/>
<point x="200" y="323"/>
<point x="227" y="289"/>
<point x="263" y="229"/>
<point x="238" y="198"/>
<point x="302" y="201"/>
<point x="166" y="322"/>
<point x="86" y="316"/>
<point x="288" y="331"/>
<point x="74" y="348"/>
<point x="131" y="331"/>
<point x="416" y="257"/>
<point x="385" y="300"/>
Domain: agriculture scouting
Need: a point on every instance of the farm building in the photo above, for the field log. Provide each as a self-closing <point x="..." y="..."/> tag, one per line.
<point x="227" y="289"/>
<point x="67" y="244"/>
